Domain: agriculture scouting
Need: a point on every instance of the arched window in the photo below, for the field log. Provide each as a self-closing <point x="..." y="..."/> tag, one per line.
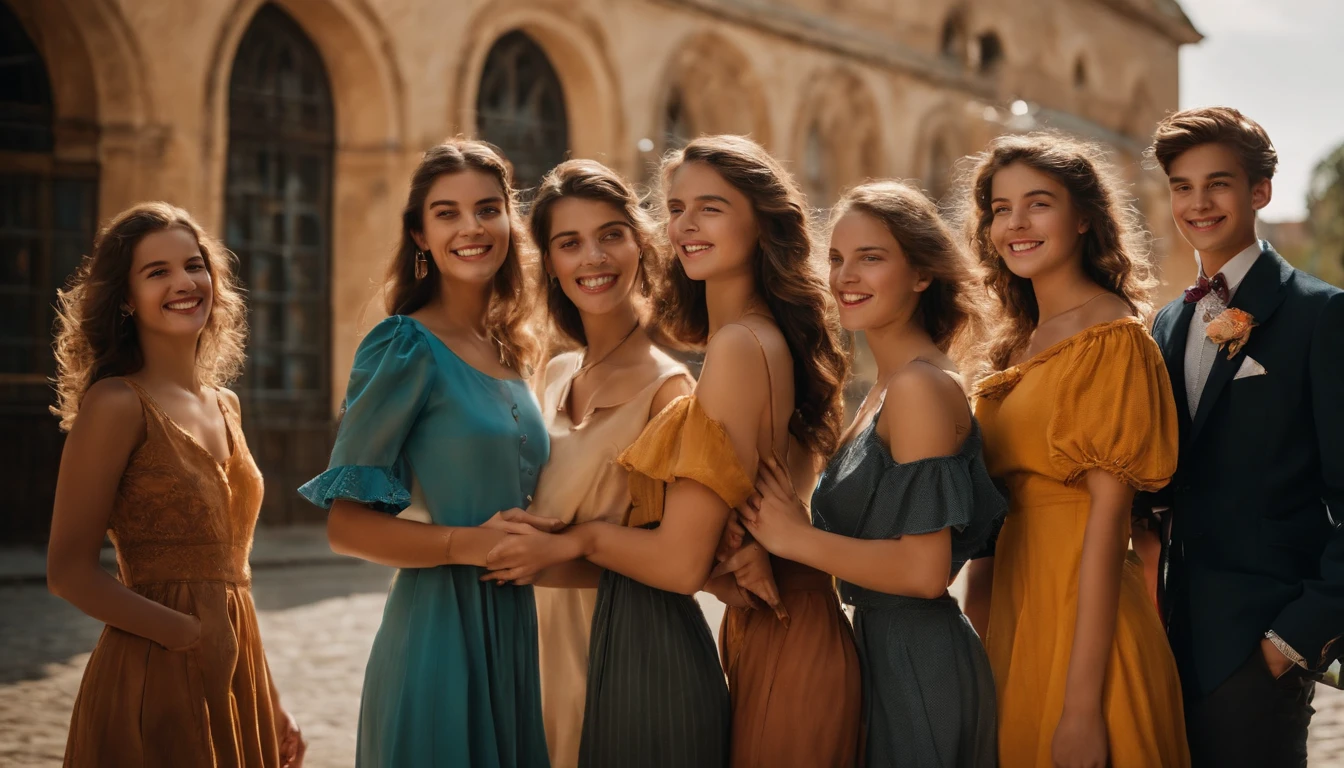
<point x="677" y="130"/>
<point x="988" y="53"/>
<point x="278" y="221"/>
<point x="1079" y="74"/>
<point x="940" y="172"/>
<point x="520" y="108"/>
<point x="48" y="211"/>
<point x="953" y="45"/>
<point x="816" y="169"/>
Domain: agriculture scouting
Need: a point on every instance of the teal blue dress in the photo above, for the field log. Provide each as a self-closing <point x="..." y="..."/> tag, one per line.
<point x="452" y="679"/>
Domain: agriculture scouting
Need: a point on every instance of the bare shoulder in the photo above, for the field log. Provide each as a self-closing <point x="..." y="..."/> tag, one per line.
<point x="111" y="398"/>
<point x="111" y="406"/>
<point x="921" y="413"/>
<point x="733" y="351"/>
<point x="1107" y="308"/>
<point x="230" y="399"/>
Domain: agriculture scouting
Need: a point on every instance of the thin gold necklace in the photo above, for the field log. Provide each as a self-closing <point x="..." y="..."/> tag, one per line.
<point x="1039" y="323"/>
<point x="585" y="366"/>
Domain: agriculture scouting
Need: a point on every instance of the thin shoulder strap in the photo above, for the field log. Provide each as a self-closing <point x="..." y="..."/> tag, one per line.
<point x="769" y="388"/>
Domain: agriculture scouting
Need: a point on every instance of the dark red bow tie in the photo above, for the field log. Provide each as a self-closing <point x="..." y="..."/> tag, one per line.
<point x="1204" y="286"/>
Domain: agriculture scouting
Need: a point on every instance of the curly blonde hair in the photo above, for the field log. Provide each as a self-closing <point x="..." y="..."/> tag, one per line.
<point x="511" y="313"/>
<point x="94" y="340"/>
<point x="1116" y="249"/>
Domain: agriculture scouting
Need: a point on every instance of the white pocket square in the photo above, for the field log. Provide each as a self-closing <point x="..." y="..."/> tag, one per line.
<point x="1249" y="367"/>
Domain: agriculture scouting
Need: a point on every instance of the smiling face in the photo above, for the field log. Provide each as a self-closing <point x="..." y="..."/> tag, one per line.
<point x="466" y="226"/>
<point x="593" y="252"/>
<point x="1035" y="228"/>
<point x="1213" y="200"/>
<point x="871" y="279"/>
<point x="170" y="289"/>
<point x="711" y="224"/>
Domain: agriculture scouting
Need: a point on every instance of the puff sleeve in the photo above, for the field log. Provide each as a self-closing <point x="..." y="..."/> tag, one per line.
<point x="389" y="385"/>
<point x="682" y="441"/>
<point x="1115" y="411"/>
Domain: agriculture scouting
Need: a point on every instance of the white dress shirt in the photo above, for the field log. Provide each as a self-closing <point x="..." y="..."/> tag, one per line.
<point x="1199" y="351"/>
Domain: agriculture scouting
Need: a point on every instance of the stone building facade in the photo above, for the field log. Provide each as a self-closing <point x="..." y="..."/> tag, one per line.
<point x="289" y="128"/>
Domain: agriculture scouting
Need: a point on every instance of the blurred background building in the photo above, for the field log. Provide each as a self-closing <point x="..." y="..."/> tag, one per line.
<point x="290" y="128"/>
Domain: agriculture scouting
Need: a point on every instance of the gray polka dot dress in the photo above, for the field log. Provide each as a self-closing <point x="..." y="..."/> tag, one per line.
<point x="928" y="689"/>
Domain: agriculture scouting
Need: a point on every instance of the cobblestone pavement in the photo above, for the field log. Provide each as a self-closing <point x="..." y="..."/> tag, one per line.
<point x="318" y="623"/>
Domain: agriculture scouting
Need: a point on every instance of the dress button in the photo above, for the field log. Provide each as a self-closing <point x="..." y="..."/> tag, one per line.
<point x="529" y="471"/>
<point x="522" y="439"/>
<point x="515" y="412"/>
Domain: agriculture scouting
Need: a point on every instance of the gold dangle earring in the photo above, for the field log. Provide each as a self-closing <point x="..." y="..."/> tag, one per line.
<point x="421" y="265"/>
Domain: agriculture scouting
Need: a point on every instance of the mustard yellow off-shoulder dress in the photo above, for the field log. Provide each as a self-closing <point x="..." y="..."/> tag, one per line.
<point x="1098" y="400"/>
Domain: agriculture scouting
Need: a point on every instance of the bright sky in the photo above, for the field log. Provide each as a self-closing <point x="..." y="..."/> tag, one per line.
<point x="1282" y="63"/>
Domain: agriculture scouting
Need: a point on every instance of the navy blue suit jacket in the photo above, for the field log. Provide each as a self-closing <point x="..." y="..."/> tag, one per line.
<point x="1253" y="546"/>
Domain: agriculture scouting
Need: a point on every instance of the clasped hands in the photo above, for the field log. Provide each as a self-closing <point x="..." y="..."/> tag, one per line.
<point x="532" y="545"/>
<point x="773" y="517"/>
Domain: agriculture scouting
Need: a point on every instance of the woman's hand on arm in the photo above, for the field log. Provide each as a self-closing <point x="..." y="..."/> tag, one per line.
<point x="918" y="422"/>
<point x="109" y="428"/>
<point x="358" y="531"/>
<point x="678" y="555"/>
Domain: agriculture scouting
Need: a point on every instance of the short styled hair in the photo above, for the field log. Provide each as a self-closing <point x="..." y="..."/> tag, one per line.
<point x="1185" y="130"/>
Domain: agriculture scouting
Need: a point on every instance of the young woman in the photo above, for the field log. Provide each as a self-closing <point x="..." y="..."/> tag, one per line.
<point x="1077" y="418"/>
<point x="436" y="409"/>
<point x="596" y="244"/>
<point x="150" y="331"/>
<point x="741" y="286"/>
<point x="907" y="499"/>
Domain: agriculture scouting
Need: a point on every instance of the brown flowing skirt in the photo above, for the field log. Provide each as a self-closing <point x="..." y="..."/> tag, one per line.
<point x="205" y="706"/>
<point x="797" y="690"/>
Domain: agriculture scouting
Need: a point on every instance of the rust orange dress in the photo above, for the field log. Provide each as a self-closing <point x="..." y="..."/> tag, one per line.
<point x="182" y="524"/>
<point x="797" y="688"/>
<point x="1100" y="399"/>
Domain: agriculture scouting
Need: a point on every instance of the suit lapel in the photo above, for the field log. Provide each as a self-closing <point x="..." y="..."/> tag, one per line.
<point x="1260" y="294"/>
<point x="1173" y="344"/>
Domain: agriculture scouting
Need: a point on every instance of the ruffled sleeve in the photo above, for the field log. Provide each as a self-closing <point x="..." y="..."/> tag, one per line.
<point x="929" y="495"/>
<point x="1115" y="411"/>
<point x="681" y="442"/>
<point x="389" y="385"/>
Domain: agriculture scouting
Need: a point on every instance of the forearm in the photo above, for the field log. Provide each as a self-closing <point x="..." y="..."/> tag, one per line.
<point x="902" y="566"/>
<point x="650" y="556"/>
<point x="357" y="531"/>
<point x="1099" y="574"/>
<point x="98" y="594"/>
<point x="575" y="574"/>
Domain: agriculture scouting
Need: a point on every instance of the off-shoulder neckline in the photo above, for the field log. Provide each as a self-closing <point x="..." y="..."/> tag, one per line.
<point x="1014" y="373"/>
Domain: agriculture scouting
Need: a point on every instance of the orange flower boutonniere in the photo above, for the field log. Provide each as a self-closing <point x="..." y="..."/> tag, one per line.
<point x="1231" y="329"/>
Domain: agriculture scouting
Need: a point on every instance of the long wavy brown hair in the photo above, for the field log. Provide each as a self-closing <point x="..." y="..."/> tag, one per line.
<point x="786" y="276"/>
<point x="591" y="180"/>
<point x="510" y="312"/>
<point x="94" y="340"/>
<point x="952" y="309"/>
<point x="1116" y="251"/>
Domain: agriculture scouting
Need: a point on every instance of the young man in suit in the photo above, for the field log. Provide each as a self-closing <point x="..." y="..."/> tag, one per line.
<point x="1253" y="586"/>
